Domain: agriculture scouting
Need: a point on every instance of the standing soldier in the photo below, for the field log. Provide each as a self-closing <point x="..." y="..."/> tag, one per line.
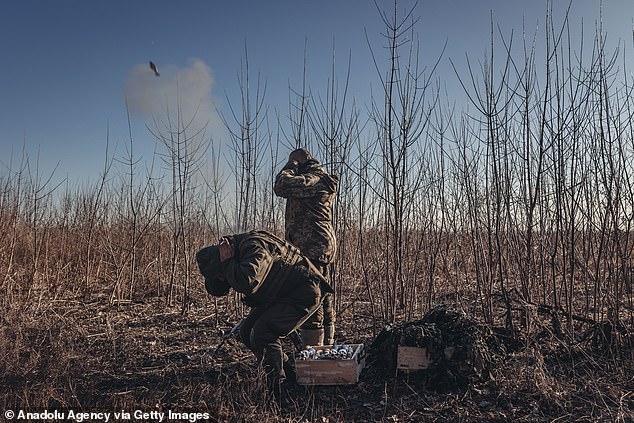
<point x="310" y="193"/>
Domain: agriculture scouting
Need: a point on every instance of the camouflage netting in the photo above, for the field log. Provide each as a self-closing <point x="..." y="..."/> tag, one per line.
<point x="461" y="351"/>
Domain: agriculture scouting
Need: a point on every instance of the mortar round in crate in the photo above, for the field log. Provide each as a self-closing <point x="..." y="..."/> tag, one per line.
<point x="330" y="364"/>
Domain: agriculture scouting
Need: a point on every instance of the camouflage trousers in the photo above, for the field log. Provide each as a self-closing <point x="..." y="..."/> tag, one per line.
<point x="264" y="327"/>
<point x="325" y="315"/>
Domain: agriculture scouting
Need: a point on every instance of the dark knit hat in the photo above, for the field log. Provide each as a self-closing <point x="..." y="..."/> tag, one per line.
<point x="301" y="155"/>
<point x="208" y="260"/>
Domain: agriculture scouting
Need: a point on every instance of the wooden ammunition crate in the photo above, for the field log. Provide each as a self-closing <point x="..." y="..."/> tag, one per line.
<point x="331" y="372"/>
<point x="409" y="359"/>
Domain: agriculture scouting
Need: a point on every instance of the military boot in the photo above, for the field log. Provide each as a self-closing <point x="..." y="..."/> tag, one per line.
<point x="329" y="334"/>
<point x="312" y="337"/>
<point x="289" y="370"/>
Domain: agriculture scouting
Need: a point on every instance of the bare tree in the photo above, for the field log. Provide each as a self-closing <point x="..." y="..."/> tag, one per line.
<point x="184" y="146"/>
<point x="401" y="119"/>
<point x="249" y="141"/>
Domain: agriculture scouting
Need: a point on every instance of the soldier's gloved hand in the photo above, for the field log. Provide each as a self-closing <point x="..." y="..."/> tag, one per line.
<point x="303" y="167"/>
<point x="225" y="250"/>
<point x="292" y="165"/>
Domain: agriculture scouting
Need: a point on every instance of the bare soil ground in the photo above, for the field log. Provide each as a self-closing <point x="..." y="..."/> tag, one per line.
<point x="147" y="356"/>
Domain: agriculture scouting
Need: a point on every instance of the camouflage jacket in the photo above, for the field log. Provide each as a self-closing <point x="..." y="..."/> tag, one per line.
<point x="310" y="193"/>
<point x="266" y="269"/>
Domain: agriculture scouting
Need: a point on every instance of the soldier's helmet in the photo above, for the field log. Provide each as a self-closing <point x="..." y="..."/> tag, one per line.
<point x="208" y="260"/>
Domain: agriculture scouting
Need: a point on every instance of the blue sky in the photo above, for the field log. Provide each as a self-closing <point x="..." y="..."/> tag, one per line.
<point x="67" y="64"/>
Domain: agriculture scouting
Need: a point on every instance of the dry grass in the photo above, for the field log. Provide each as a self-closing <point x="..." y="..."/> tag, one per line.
<point x="82" y="328"/>
<point x="74" y="354"/>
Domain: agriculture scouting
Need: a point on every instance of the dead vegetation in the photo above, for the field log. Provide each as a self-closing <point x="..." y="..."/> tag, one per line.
<point x="518" y="214"/>
<point x="147" y="355"/>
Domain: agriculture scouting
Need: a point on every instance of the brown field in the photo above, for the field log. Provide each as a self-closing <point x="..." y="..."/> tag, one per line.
<point x="67" y="345"/>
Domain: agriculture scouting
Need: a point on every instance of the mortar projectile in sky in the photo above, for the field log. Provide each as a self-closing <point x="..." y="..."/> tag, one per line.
<point x="153" y="67"/>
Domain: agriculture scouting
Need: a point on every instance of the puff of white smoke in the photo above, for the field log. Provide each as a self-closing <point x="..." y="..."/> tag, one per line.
<point x="188" y="89"/>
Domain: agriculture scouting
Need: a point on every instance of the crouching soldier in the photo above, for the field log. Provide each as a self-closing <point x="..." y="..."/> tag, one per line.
<point x="282" y="287"/>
